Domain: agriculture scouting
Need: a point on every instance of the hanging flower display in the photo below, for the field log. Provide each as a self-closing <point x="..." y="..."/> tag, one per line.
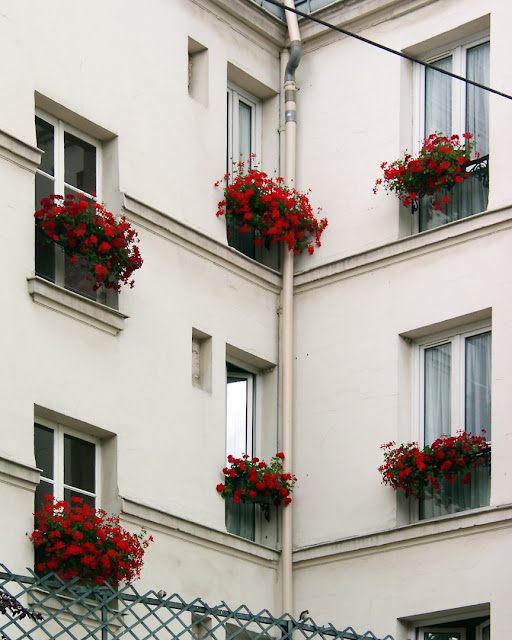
<point x="253" y="200"/>
<point x="84" y="228"/>
<point x="440" y="165"/>
<point x="414" y="470"/>
<point x="77" y="540"/>
<point x="252" y="480"/>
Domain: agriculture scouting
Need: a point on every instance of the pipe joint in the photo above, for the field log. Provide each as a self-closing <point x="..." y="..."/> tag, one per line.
<point x="294" y="61"/>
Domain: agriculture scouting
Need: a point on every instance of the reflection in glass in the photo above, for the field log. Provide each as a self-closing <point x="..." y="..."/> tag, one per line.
<point x="79" y="463"/>
<point x="79" y="163"/>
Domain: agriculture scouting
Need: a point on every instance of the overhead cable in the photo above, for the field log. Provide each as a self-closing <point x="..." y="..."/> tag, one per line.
<point x="312" y="18"/>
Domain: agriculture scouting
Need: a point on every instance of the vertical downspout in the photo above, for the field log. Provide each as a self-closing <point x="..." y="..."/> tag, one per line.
<point x="287" y="306"/>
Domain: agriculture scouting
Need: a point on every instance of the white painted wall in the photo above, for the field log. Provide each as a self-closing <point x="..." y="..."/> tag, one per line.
<point x="119" y="71"/>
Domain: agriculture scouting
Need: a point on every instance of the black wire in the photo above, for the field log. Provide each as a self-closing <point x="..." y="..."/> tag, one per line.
<point x="308" y="16"/>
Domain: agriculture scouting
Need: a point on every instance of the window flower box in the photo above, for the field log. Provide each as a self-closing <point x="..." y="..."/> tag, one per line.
<point x="91" y="235"/>
<point x="255" y="203"/>
<point x="441" y="164"/>
<point x="253" y="481"/>
<point x="417" y="470"/>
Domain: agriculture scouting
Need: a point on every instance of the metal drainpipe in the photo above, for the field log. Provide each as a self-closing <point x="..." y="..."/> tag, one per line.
<point x="287" y="307"/>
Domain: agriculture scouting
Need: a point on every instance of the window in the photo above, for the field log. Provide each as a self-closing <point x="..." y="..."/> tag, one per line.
<point x="469" y="629"/>
<point x="450" y="106"/>
<point x="69" y="464"/>
<point x="71" y="164"/>
<point x="244" y="129"/>
<point x="455" y="394"/>
<point x="240" y="387"/>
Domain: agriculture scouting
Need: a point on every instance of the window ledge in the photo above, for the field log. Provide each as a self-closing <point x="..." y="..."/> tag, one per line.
<point x="451" y="526"/>
<point x="75" y="306"/>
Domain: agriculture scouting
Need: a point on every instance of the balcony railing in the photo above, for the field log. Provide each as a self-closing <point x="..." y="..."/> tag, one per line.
<point x="73" y="610"/>
<point x="466" y="198"/>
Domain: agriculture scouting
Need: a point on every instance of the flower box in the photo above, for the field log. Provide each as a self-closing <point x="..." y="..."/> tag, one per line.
<point x="87" y="232"/>
<point x="255" y="202"/>
<point x="253" y="481"/>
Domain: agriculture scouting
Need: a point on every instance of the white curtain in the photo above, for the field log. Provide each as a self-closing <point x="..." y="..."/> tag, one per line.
<point x="458" y="496"/>
<point x="438" y="99"/>
<point x="477" y="100"/>
<point x="478" y="384"/>
<point x="437" y="391"/>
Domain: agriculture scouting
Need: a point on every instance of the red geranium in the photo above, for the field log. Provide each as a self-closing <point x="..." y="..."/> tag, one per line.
<point x="77" y="540"/>
<point x="252" y="200"/>
<point x="441" y="164"/>
<point x="86" y="228"/>
<point x="413" y="469"/>
<point x="251" y="480"/>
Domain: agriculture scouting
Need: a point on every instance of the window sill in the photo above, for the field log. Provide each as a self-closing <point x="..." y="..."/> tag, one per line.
<point x="73" y="305"/>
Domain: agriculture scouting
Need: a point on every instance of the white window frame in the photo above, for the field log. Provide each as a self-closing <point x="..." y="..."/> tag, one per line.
<point x="235" y="95"/>
<point x="59" y="431"/>
<point x="251" y="375"/>
<point x="424" y="630"/>
<point x="458" y="400"/>
<point x="60" y="128"/>
<point x="481" y="628"/>
<point x="458" y="51"/>
<point x="108" y="297"/>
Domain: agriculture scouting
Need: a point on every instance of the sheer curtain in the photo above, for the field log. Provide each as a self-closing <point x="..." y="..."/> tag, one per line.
<point x="437" y="394"/>
<point x="472" y="195"/>
<point x="458" y="496"/>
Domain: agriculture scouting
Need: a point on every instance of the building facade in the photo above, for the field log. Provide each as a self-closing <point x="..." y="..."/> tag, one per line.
<point x="401" y="320"/>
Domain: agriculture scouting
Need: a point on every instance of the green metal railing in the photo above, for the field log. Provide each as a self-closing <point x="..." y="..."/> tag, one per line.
<point x="71" y="610"/>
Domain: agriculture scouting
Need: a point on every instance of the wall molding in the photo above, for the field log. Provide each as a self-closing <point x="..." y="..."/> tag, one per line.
<point x="200" y="244"/>
<point x="19" y="152"/>
<point x="73" y="305"/>
<point x="425" y="532"/>
<point x="19" y="474"/>
<point x="199" y="534"/>
<point x="409" y="248"/>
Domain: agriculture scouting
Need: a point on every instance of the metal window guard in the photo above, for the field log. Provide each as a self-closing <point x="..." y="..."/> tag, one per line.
<point x="478" y="169"/>
<point x="75" y="611"/>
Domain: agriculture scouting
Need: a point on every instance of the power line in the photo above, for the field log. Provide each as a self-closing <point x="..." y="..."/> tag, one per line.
<point x="308" y="16"/>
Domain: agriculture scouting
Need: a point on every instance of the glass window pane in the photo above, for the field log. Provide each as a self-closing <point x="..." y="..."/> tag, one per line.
<point x="437" y="391"/>
<point x="79" y="463"/>
<point x="478" y="384"/>
<point x="43" y="447"/>
<point x="244" y="131"/>
<point x="457" y="496"/>
<point x="43" y="489"/>
<point x="45" y="141"/>
<point x="239" y="440"/>
<point x="477" y="100"/>
<point x="78" y="277"/>
<point x="45" y="248"/>
<point x="69" y="493"/>
<point x="79" y="163"/>
<point x="438" y="98"/>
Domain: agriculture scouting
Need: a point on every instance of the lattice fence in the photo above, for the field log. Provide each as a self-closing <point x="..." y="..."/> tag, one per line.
<point x="77" y="612"/>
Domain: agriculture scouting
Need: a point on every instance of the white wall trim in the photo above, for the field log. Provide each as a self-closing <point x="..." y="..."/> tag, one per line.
<point x="18" y="474"/>
<point x="354" y="17"/>
<point x="199" y="534"/>
<point x="19" y="152"/>
<point x="458" y="525"/>
<point x="420" y="244"/>
<point x="75" y="306"/>
<point x="200" y="244"/>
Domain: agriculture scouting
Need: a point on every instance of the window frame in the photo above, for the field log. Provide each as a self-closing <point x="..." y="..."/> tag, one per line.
<point x="60" y="187"/>
<point x="424" y="630"/>
<point x="457" y="50"/>
<point x="59" y="432"/>
<point x="235" y="95"/>
<point x="457" y="393"/>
